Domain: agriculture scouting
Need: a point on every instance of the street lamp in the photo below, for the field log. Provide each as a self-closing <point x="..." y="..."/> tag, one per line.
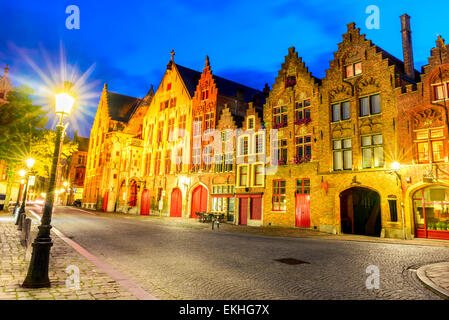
<point x="21" y="174"/>
<point x="37" y="276"/>
<point x="30" y="164"/>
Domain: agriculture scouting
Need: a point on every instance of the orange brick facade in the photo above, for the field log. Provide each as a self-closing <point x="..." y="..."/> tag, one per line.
<point x="363" y="150"/>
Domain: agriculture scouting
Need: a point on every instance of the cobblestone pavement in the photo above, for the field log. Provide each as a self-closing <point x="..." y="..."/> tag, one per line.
<point x="436" y="277"/>
<point x="175" y="259"/>
<point x="14" y="261"/>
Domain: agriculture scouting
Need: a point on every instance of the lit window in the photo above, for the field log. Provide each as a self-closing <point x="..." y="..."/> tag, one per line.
<point x="280" y="116"/>
<point x="342" y="154"/>
<point x="303" y="149"/>
<point x="303" y="186"/>
<point x="282" y="152"/>
<point x="372" y="151"/>
<point x="353" y="69"/>
<point x="430" y="145"/>
<point x="302" y="111"/>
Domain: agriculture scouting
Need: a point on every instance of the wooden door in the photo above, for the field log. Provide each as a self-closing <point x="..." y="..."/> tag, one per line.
<point x="243" y="211"/>
<point x="199" y="201"/>
<point x="145" y="203"/>
<point x="105" y="201"/>
<point x="176" y="203"/>
<point x="303" y="210"/>
<point x="256" y="208"/>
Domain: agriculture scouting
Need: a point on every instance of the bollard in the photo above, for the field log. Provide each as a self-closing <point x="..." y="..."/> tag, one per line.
<point x="16" y="216"/>
<point x="22" y="217"/>
<point x="25" y="235"/>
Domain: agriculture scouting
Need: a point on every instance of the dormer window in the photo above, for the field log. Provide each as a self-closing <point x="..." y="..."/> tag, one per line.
<point x="250" y="123"/>
<point x="353" y="69"/>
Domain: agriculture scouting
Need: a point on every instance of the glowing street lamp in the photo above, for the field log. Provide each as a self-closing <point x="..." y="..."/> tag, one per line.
<point x="30" y="163"/>
<point x="37" y="276"/>
<point x="395" y="165"/>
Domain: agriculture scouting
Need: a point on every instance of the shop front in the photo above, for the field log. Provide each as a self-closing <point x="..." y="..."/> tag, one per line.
<point x="431" y="212"/>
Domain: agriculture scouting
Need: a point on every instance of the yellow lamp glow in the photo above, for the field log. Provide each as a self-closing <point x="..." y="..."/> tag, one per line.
<point x="395" y="165"/>
<point x="64" y="103"/>
<point x="65" y="183"/>
<point x="22" y="173"/>
<point x="30" y="162"/>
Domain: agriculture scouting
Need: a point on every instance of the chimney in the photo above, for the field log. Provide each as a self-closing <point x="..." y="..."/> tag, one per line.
<point x="407" y="50"/>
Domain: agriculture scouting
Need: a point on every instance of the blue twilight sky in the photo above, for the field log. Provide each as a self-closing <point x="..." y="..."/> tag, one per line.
<point x="127" y="43"/>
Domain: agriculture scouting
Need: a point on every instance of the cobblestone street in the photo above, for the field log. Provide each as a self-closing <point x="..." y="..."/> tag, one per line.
<point x="187" y="260"/>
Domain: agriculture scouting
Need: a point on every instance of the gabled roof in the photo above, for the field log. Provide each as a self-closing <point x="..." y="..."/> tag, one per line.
<point x="120" y="106"/>
<point x="397" y="62"/>
<point x="225" y="87"/>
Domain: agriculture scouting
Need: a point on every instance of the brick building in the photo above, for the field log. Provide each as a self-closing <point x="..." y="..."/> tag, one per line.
<point x="362" y="150"/>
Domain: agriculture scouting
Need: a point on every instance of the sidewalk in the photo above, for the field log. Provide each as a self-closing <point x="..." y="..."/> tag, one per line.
<point x="436" y="277"/>
<point x="94" y="284"/>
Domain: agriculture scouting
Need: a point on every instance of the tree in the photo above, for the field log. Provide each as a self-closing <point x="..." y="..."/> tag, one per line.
<point x="20" y="122"/>
<point x="43" y="151"/>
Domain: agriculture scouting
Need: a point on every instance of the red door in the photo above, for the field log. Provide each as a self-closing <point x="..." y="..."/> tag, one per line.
<point x="199" y="201"/>
<point x="243" y="211"/>
<point x="303" y="210"/>
<point x="105" y="201"/>
<point x="145" y="203"/>
<point x="133" y="195"/>
<point x="176" y="203"/>
<point x="256" y="208"/>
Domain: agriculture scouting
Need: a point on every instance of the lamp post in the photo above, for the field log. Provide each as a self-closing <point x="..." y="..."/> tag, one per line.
<point x="37" y="276"/>
<point x="21" y="174"/>
<point x="30" y="163"/>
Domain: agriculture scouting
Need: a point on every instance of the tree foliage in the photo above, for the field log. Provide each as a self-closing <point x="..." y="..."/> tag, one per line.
<point x="20" y="122"/>
<point x="43" y="148"/>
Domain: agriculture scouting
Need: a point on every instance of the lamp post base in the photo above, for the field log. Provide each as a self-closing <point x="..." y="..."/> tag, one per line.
<point x="37" y="276"/>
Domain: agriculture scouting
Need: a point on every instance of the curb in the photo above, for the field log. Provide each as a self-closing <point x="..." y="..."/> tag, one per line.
<point x="428" y="283"/>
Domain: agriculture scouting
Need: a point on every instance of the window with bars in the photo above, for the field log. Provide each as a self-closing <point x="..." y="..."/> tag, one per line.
<point x="170" y="128"/>
<point x="207" y="158"/>
<point x="157" y="163"/>
<point x="430" y="145"/>
<point x="370" y="105"/>
<point x="160" y="131"/>
<point x="302" y="111"/>
<point x="182" y="126"/>
<point x="341" y="111"/>
<point x="179" y="161"/>
<point x="372" y="151"/>
<point x="303" y="146"/>
<point x="167" y="161"/>
<point x="205" y="94"/>
<point x="342" y="154"/>
<point x="279" y="197"/>
<point x="353" y="69"/>
<point x="280" y="116"/>
<point x="282" y="152"/>
<point x="259" y="174"/>
<point x="148" y="164"/>
<point x="243" y="176"/>
<point x="209" y="121"/>
<point x="303" y="186"/>
<point x="243" y="146"/>
<point x="173" y="102"/>
<point x="441" y="91"/>
<point x="259" y="139"/>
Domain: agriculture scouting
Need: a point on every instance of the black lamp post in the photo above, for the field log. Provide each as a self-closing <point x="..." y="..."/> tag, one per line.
<point x="21" y="174"/>
<point x="30" y="164"/>
<point x="37" y="276"/>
